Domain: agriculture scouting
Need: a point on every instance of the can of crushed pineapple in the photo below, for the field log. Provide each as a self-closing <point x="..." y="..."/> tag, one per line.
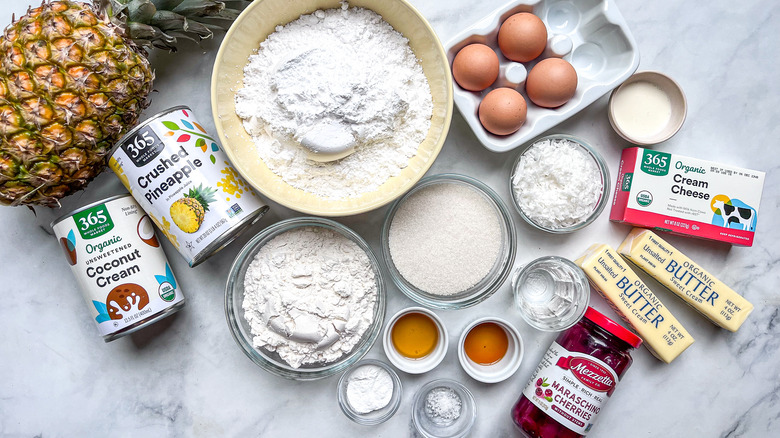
<point x="179" y="174"/>
<point x="119" y="264"/>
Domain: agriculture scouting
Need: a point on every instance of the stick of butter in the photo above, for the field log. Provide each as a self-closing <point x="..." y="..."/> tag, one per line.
<point x="675" y="271"/>
<point x="636" y="304"/>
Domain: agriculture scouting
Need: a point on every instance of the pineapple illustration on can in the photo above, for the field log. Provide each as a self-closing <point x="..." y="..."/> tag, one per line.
<point x="179" y="174"/>
<point x="189" y="211"/>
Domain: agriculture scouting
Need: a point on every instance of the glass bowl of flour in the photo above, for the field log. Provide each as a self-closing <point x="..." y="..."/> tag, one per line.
<point x="559" y="184"/>
<point x="305" y="298"/>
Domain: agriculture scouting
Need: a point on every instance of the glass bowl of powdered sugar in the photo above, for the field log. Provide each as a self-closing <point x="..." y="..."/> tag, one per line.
<point x="305" y="298"/>
<point x="559" y="184"/>
<point x="449" y="242"/>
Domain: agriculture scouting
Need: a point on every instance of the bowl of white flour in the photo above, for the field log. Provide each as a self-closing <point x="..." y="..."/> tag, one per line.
<point x="367" y="77"/>
<point x="305" y="298"/>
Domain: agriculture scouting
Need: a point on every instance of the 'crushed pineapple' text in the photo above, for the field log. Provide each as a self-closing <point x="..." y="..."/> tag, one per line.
<point x="182" y="178"/>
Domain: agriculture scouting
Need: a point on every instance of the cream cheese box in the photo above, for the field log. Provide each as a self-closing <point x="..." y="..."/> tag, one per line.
<point x="687" y="196"/>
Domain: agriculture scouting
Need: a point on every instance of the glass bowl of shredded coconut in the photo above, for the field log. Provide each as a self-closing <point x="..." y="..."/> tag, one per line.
<point x="369" y="393"/>
<point x="449" y="242"/>
<point x="559" y="184"/>
<point x="443" y="408"/>
<point x="305" y="298"/>
<point x="331" y="108"/>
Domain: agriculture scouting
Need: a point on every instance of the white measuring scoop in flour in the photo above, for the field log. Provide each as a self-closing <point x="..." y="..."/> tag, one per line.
<point x="328" y="141"/>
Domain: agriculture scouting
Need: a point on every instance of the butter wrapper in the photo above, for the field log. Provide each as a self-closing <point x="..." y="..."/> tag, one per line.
<point x="636" y="304"/>
<point x="681" y="275"/>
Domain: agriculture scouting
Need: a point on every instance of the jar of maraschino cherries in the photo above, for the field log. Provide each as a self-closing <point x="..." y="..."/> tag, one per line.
<point x="575" y="378"/>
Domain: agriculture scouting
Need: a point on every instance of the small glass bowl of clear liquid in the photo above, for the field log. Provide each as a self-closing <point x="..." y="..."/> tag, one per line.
<point x="551" y="293"/>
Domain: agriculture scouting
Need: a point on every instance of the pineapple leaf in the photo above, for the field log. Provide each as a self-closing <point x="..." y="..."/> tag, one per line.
<point x="204" y="196"/>
<point x="199" y="29"/>
<point x="166" y="5"/>
<point x="140" y="31"/>
<point x="140" y="11"/>
<point x="176" y="34"/>
<point x="170" y="20"/>
<point x="225" y="14"/>
<point x="214" y="27"/>
<point x="167" y="20"/>
<point x="199" y="8"/>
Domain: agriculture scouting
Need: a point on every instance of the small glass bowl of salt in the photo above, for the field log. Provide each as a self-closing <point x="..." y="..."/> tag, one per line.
<point x="443" y="408"/>
<point x="369" y="392"/>
<point x="559" y="184"/>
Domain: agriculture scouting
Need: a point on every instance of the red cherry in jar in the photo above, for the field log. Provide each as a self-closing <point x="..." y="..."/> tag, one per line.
<point x="575" y="378"/>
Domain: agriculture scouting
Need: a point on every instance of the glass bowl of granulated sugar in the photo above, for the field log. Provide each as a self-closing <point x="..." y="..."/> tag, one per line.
<point x="449" y="242"/>
<point x="305" y="298"/>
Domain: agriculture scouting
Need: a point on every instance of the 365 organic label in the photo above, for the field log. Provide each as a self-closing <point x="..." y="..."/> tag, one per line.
<point x="121" y="269"/>
<point x="94" y="222"/>
<point x="181" y="176"/>
<point x="655" y="163"/>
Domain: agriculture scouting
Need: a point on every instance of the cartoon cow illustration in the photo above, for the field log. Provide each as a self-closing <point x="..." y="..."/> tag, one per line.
<point x="744" y="216"/>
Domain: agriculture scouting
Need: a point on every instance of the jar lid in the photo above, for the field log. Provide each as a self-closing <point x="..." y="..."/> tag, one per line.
<point x="611" y="326"/>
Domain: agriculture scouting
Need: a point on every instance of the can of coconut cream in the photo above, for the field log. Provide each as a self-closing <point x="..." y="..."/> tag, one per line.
<point x="179" y="174"/>
<point x="121" y="269"/>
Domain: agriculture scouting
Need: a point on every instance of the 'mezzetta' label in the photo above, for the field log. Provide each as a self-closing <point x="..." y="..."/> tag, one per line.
<point x="571" y="387"/>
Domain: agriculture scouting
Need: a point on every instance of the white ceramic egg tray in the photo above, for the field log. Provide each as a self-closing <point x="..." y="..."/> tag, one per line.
<point x="591" y="34"/>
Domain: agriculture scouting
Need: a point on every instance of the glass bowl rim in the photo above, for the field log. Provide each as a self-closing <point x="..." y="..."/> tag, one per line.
<point x="462" y="299"/>
<point x="603" y="170"/>
<point x="395" y="401"/>
<point x="233" y="315"/>
<point x="423" y="391"/>
<point x="583" y="280"/>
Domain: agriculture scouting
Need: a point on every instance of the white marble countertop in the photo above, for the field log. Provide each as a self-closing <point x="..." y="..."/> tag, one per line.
<point x="185" y="376"/>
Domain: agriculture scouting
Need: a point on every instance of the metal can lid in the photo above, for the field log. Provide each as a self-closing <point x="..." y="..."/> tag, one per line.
<point x="612" y="327"/>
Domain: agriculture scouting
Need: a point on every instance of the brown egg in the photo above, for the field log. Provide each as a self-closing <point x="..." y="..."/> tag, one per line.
<point x="522" y="37"/>
<point x="475" y="67"/>
<point x="502" y="111"/>
<point x="551" y="83"/>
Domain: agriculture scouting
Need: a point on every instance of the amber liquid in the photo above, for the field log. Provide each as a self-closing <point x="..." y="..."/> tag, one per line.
<point x="486" y="343"/>
<point x="414" y="335"/>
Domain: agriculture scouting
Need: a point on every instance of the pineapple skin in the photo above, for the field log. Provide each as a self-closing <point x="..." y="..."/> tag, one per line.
<point x="188" y="214"/>
<point x="71" y="84"/>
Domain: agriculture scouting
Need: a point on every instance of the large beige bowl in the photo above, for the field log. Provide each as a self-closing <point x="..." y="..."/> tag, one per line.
<point x="259" y="20"/>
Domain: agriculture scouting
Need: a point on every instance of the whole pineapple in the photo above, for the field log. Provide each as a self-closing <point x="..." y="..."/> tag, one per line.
<point x="74" y="78"/>
<point x="189" y="212"/>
